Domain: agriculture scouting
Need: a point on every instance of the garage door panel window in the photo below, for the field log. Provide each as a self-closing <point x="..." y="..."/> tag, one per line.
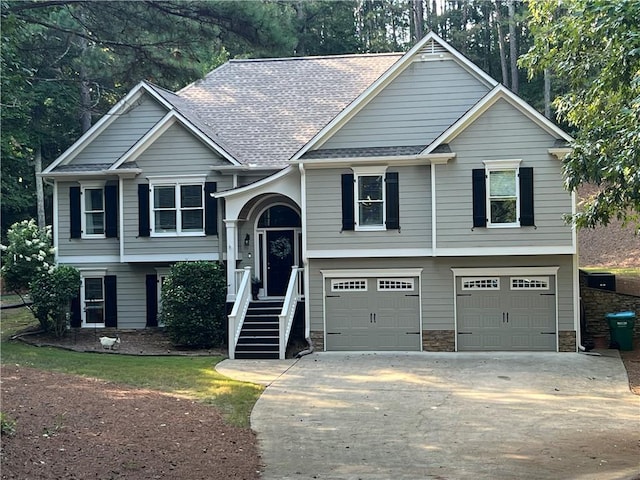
<point x="481" y="283"/>
<point x="395" y="284"/>
<point x="349" y="285"/>
<point x="530" y="283"/>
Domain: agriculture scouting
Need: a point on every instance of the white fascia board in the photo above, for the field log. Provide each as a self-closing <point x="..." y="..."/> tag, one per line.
<point x="466" y="63"/>
<point x="102" y="124"/>
<point x="499" y="92"/>
<point x="158" y="130"/>
<point x="372" y="272"/>
<point x="389" y="160"/>
<point x="370" y="253"/>
<point x="176" y="257"/>
<point x="486" y="271"/>
<point x="260" y="183"/>
<point x="506" y="251"/>
<point x="122" y="173"/>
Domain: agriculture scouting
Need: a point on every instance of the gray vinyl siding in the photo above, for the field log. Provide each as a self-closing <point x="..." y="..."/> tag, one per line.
<point x="123" y="133"/>
<point x="501" y="133"/>
<point x="324" y="212"/>
<point x="176" y="153"/>
<point x="438" y="299"/>
<point x="78" y="246"/>
<point x="414" y="109"/>
<point x="130" y="288"/>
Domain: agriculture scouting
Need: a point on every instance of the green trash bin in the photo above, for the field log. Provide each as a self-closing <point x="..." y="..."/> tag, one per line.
<point x="621" y="325"/>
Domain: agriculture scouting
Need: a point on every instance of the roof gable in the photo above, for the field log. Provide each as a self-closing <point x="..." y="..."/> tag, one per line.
<point x="499" y="92"/>
<point x="430" y="48"/>
<point x="124" y="106"/>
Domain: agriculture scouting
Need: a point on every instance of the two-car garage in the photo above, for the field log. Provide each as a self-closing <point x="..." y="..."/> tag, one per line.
<point x="491" y="310"/>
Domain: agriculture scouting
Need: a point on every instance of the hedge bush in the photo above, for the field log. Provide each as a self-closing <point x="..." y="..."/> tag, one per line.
<point x="193" y="304"/>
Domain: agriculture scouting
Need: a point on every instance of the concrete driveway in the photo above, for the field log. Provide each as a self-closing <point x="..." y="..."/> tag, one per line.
<point x="445" y="416"/>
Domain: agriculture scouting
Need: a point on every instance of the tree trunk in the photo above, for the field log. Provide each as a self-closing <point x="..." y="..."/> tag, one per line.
<point x="85" y="92"/>
<point x="547" y="93"/>
<point x="417" y="19"/>
<point x="503" y="53"/>
<point x="513" y="47"/>
<point x="39" y="186"/>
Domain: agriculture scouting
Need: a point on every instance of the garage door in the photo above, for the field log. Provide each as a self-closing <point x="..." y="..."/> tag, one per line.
<point x="373" y="314"/>
<point x="506" y="313"/>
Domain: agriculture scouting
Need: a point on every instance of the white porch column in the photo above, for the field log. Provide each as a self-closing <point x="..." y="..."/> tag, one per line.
<point x="232" y="255"/>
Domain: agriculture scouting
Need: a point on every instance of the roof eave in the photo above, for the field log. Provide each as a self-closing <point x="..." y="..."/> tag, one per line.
<point x="391" y="160"/>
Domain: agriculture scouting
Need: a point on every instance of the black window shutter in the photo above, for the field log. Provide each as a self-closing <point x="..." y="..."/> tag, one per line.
<point x="76" y="316"/>
<point x="479" y="198"/>
<point x="152" y="300"/>
<point x="210" y="209"/>
<point x="393" y="201"/>
<point x="348" y="214"/>
<point x="144" y="227"/>
<point x="526" y="197"/>
<point x="110" y="301"/>
<point x="75" y="212"/>
<point x="111" y="211"/>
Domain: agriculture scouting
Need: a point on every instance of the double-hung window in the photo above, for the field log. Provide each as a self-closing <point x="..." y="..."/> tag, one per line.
<point x="93" y="210"/>
<point x="177" y="207"/>
<point x="369" y="198"/>
<point x="503" y="193"/>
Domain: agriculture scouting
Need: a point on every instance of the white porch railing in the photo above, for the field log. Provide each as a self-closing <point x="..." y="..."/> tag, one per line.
<point x="240" y="306"/>
<point x="294" y="289"/>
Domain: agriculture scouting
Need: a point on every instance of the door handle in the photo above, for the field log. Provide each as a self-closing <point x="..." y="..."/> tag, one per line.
<point x="374" y="318"/>
<point x="507" y="317"/>
<point x="502" y="317"/>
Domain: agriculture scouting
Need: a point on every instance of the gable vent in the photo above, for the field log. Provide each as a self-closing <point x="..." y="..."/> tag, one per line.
<point x="432" y="48"/>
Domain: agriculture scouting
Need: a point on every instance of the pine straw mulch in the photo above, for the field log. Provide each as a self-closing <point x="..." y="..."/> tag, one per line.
<point x="71" y="427"/>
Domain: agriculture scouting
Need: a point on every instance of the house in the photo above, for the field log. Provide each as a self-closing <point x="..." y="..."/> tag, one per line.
<point x="401" y="201"/>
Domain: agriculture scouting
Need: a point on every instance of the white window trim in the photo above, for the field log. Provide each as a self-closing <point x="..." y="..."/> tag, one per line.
<point x="501" y="166"/>
<point x="90" y="273"/>
<point x="91" y="185"/>
<point x="370" y="171"/>
<point x="176" y="183"/>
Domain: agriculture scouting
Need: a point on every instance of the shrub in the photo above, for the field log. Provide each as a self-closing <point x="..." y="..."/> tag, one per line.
<point x="193" y="304"/>
<point x="28" y="254"/>
<point x="52" y="293"/>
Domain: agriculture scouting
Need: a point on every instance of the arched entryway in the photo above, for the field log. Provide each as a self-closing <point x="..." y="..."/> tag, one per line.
<point x="278" y="247"/>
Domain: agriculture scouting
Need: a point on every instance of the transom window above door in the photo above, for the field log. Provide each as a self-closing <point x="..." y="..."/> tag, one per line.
<point x="177" y="208"/>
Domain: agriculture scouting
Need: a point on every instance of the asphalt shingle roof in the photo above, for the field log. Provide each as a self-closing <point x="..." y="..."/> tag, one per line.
<point x="266" y="110"/>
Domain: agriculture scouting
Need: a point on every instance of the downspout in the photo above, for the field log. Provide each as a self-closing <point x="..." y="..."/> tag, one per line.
<point x="121" y="216"/>
<point x="56" y="240"/>
<point x="305" y="262"/>
<point x="433" y="211"/>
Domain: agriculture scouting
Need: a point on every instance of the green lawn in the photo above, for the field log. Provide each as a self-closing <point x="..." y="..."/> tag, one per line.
<point x="624" y="272"/>
<point x="193" y="377"/>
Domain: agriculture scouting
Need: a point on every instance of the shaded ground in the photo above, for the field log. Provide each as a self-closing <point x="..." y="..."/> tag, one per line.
<point x="69" y="427"/>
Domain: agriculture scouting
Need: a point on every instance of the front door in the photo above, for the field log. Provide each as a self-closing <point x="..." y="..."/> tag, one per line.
<point x="280" y="258"/>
